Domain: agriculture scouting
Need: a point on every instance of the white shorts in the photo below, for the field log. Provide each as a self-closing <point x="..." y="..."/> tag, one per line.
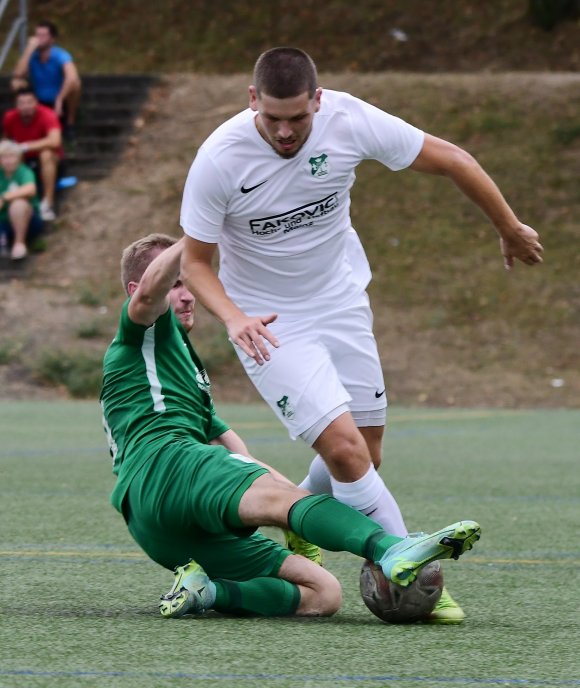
<point x="325" y="365"/>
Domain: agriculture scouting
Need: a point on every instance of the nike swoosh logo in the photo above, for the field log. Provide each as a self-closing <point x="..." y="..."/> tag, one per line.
<point x="378" y="395"/>
<point x="251" y="188"/>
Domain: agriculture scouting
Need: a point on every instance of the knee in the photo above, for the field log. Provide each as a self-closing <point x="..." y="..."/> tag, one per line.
<point x="18" y="205"/>
<point x="348" y="452"/>
<point x="325" y="596"/>
<point x="330" y="596"/>
<point x="47" y="156"/>
<point x="18" y="209"/>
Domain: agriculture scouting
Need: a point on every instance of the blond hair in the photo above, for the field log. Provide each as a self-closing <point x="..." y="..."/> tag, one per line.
<point x="8" y="147"/>
<point x="137" y="256"/>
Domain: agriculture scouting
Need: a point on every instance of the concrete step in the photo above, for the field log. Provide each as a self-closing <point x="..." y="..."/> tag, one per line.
<point x="109" y="106"/>
<point x="120" y="81"/>
<point x="95" y="144"/>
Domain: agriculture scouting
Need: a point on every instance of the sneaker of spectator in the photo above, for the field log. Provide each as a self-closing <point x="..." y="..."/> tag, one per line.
<point x="19" y="251"/>
<point x="47" y="211"/>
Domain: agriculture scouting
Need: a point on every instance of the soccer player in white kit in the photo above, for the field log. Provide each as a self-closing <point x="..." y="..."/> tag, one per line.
<point x="271" y="187"/>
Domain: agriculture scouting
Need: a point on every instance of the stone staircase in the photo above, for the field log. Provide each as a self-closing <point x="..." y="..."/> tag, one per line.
<point x="109" y="107"/>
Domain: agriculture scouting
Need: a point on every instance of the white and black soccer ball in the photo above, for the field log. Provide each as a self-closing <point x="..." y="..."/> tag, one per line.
<point x="397" y="605"/>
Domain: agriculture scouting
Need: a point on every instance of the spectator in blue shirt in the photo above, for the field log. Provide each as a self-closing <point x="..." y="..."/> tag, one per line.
<point x="52" y="74"/>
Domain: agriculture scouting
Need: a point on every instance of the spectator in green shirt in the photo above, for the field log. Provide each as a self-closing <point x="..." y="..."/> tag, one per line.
<point x="20" y="221"/>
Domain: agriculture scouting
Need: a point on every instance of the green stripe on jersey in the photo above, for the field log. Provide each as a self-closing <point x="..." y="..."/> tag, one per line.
<point x="155" y="389"/>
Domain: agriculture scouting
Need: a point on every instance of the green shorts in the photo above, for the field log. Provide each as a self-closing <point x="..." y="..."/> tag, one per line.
<point x="183" y="504"/>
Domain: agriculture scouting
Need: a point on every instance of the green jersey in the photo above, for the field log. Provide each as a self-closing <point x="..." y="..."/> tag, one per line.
<point x="155" y="392"/>
<point x="21" y="176"/>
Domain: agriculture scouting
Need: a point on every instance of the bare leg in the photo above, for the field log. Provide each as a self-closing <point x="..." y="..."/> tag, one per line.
<point x="318" y="480"/>
<point x="48" y="169"/>
<point x="267" y="502"/>
<point x="320" y="592"/>
<point x="351" y="455"/>
<point x="344" y="449"/>
<point x="20" y="213"/>
<point x="72" y="103"/>
<point x="373" y="436"/>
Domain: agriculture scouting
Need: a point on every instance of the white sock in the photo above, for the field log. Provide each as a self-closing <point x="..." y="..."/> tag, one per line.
<point x="318" y="479"/>
<point x="370" y="496"/>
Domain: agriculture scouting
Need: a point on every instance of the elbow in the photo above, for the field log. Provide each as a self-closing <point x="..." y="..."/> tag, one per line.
<point x="465" y="159"/>
<point x="459" y="163"/>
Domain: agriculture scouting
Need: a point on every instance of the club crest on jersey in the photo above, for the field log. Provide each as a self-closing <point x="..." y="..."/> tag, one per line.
<point x="319" y="166"/>
<point x="202" y="380"/>
<point x="286" y="408"/>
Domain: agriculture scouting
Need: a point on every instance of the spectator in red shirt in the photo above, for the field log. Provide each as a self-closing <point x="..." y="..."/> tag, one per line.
<point x="38" y="130"/>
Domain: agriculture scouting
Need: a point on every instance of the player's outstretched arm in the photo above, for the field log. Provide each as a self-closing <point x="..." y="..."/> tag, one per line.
<point x="150" y="297"/>
<point x="234" y="444"/>
<point x="517" y="241"/>
<point x="198" y="274"/>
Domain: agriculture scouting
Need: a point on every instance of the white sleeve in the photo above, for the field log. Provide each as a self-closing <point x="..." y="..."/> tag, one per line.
<point x="204" y="203"/>
<point x="383" y="137"/>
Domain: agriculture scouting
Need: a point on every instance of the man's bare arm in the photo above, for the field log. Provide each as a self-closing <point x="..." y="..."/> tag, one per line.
<point x="150" y="298"/>
<point x="21" y="68"/>
<point x="517" y="240"/>
<point x="24" y="191"/>
<point x="198" y="274"/>
<point x="52" y="140"/>
<point x="234" y="443"/>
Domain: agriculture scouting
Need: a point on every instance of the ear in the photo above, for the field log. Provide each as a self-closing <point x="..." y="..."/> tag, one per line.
<point x="317" y="99"/>
<point x="253" y="98"/>
<point x="132" y="288"/>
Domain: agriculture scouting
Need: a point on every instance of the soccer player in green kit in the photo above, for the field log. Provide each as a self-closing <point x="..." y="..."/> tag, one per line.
<point x="190" y="492"/>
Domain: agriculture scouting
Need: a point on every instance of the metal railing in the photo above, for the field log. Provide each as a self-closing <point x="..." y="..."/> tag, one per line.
<point x="18" y="28"/>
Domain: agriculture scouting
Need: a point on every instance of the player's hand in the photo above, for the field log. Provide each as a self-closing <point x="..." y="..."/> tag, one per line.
<point x="249" y="334"/>
<point x="58" y="107"/>
<point x="32" y="43"/>
<point x="524" y="245"/>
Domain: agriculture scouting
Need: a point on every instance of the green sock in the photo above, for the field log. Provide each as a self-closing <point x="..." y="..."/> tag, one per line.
<point x="259" y="596"/>
<point x="325" y="522"/>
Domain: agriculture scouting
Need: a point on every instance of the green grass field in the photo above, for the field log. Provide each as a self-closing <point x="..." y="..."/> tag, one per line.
<point x="79" y="600"/>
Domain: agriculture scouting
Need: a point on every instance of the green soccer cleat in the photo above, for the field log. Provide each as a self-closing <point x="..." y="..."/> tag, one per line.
<point x="402" y="562"/>
<point x="446" y="611"/>
<point x="298" y="545"/>
<point x="192" y="592"/>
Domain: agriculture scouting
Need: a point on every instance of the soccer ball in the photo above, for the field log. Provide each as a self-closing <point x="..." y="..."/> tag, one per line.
<point x="393" y="603"/>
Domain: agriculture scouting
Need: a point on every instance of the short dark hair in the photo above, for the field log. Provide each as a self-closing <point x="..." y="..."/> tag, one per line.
<point x="24" y="91"/>
<point x="285" y="73"/>
<point x="137" y="256"/>
<point x="51" y="26"/>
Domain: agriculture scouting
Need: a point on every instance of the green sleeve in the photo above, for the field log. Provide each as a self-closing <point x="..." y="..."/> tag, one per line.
<point x="24" y="175"/>
<point x="218" y="427"/>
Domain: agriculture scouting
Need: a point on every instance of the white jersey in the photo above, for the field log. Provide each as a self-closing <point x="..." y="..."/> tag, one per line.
<point x="283" y="225"/>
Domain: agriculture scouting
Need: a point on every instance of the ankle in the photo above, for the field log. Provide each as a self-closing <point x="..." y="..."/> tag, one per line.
<point x="378" y="544"/>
